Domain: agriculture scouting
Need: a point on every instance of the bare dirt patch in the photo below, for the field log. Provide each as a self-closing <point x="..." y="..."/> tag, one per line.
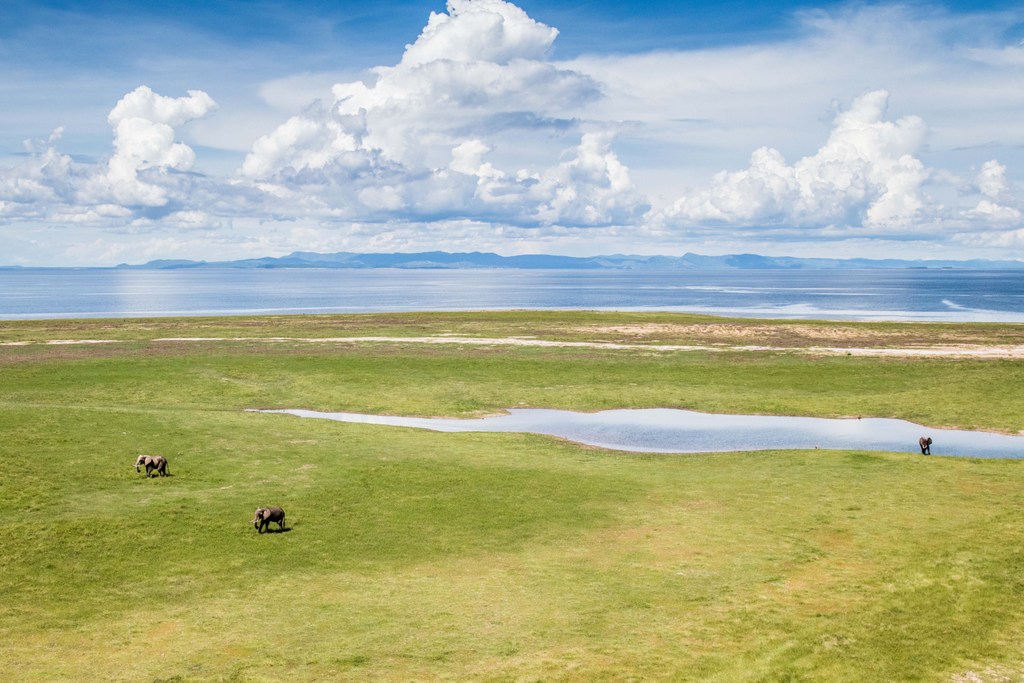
<point x="757" y="333"/>
<point x="805" y="335"/>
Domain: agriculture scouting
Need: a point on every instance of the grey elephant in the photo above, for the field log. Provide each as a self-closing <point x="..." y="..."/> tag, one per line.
<point x="925" y="442"/>
<point x="264" y="516"/>
<point x="152" y="462"/>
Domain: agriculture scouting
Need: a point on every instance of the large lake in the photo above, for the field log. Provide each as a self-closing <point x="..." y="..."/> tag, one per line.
<point x="930" y="295"/>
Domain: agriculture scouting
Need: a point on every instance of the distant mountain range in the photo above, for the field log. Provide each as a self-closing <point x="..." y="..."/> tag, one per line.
<point x="446" y="260"/>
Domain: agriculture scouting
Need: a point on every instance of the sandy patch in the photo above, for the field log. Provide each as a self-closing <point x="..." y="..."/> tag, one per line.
<point x="993" y="674"/>
<point x="955" y="351"/>
<point x="1005" y="351"/>
<point x="60" y="342"/>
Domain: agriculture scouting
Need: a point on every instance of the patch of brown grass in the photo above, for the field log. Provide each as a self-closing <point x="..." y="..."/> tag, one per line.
<point x="802" y="334"/>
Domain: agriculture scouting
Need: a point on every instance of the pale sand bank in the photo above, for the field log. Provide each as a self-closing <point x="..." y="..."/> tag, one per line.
<point x="940" y="351"/>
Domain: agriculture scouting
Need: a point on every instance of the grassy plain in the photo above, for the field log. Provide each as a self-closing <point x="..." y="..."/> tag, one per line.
<point x="422" y="556"/>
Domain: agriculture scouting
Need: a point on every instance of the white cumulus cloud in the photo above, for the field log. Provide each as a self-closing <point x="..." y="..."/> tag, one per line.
<point x="144" y="145"/>
<point x="480" y="30"/>
<point x="44" y="178"/>
<point x="998" y="206"/>
<point x="866" y="174"/>
<point x="591" y="188"/>
<point x="144" y="176"/>
<point x="411" y="141"/>
<point x="992" y="179"/>
<point x="990" y="212"/>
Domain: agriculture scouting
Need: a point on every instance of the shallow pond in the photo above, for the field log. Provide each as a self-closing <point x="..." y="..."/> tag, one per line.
<point x="666" y="430"/>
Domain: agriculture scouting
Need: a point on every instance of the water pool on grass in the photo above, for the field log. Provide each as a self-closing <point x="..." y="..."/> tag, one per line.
<point x="668" y="430"/>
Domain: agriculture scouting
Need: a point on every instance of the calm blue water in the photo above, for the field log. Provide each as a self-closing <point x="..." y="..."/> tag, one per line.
<point x="667" y="430"/>
<point x="935" y="295"/>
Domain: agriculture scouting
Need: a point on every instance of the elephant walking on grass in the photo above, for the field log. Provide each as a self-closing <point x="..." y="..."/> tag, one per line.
<point x="152" y="462"/>
<point x="264" y="516"/>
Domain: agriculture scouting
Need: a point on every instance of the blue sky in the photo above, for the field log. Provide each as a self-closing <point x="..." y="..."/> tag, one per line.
<point x="140" y="130"/>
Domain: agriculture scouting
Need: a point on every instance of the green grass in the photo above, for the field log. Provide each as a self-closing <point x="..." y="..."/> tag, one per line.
<point x="421" y="556"/>
<point x="652" y="328"/>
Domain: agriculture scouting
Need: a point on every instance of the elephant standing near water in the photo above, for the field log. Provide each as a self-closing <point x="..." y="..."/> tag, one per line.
<point x="925" y="442"/>
<point x="264" y="516"/>
<point x="152" y="462"/>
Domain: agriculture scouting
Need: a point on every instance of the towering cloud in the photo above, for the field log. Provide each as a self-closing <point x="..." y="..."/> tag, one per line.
<point x="407" y="143"/>
<point x="144" y="146"/>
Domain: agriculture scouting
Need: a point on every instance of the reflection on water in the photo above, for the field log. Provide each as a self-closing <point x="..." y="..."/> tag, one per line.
<point x="665" y="430"/>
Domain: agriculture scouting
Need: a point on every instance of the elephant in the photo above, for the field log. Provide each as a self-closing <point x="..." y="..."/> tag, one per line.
<point x="152" y="462"/>
<point x="264" y="516"/>
<point x="925" y="442"/>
